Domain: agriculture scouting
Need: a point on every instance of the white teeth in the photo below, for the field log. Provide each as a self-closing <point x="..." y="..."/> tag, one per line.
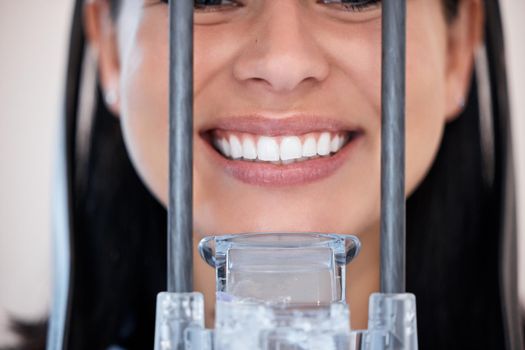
<point x="342" y="140"/>
<point x="218" y="144"/>
<point x="323" y="144"/>
<point x="291" y="148"/>
<point x="223" y="146"/>
<point x="235" y="147"/>
<point x="335" y="144"/>
<point x="279" y="150"/>
<point x="310" y="147"/>
<point x="267" y="149"/>
<point x="248" y="149"/>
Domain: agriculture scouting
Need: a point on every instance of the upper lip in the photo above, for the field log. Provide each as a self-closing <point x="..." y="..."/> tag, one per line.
<point x="298" y="124"/>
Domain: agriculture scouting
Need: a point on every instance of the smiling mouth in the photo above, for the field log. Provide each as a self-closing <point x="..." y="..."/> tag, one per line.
<point x="280" y="152"/>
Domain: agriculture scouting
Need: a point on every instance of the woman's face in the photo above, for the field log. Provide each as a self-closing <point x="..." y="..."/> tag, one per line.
<point x="287" y="109"/>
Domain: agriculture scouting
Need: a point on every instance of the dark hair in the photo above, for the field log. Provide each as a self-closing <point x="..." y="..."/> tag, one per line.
<point x="460" y="226"/>
<point x="451" y="9"/>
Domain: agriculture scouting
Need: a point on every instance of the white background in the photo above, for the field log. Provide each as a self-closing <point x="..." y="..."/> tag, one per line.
<point x="33" y="44"/>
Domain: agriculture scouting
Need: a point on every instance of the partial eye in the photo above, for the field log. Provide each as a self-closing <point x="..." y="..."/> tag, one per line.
<point x="215" y="5"/>
<point x="352" y="5"/>
<point x="212" y="5"/>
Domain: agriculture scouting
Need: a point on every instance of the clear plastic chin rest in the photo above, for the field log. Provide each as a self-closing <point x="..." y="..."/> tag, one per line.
<point x="282" y="291"/>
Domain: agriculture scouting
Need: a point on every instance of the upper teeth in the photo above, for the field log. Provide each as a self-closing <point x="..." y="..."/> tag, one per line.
<point x="278" y="149"/>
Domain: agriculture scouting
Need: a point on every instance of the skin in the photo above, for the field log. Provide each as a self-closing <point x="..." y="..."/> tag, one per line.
<point x="280" y="58"/>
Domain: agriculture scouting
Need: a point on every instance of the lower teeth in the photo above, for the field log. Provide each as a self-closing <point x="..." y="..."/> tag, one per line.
<point x="282" y="162"/>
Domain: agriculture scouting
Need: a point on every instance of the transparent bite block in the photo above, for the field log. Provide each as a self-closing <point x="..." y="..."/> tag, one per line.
<point x="280" y="268"/>
<point x="282" y="291"/>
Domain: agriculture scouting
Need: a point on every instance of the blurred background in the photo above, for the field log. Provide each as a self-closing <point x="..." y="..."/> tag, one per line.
<point x="33" y="52"/>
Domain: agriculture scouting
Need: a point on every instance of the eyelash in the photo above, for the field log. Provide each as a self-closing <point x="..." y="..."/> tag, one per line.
<point x="352" y="5"/>
<point x="212" y="5"/>
<point x="345" y="5"/>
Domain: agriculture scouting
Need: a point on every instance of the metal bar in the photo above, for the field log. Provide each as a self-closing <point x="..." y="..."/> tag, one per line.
<point x="180" y="211"/>
<point x="393" y="147"/>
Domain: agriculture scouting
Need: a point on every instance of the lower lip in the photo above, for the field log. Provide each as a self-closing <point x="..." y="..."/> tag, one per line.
<point x="298" y="173"/>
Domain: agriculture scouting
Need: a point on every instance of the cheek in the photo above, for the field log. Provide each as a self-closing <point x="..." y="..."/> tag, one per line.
<point x="425" y="104"/>
<point x="144" y="108"/>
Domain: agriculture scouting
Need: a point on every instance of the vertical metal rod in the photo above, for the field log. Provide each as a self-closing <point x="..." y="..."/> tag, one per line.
<point x="393" y="147"/>
<point x="180" y="210"/>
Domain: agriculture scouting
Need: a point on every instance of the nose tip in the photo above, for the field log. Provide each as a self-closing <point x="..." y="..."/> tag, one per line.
<point x="283" y="72"/>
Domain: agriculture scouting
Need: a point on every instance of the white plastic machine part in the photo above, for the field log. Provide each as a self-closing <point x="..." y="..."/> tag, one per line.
<point x="282" y="292"/>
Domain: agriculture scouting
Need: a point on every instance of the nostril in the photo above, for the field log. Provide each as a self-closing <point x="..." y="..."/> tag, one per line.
<point x="259" y="81"/>
<point x="281" y="68"/>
